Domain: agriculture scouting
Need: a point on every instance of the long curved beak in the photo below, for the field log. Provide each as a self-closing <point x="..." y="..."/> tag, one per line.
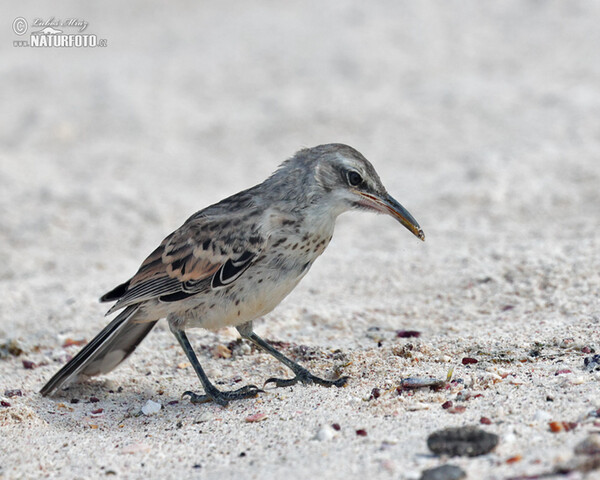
<point x="389" y="205"/>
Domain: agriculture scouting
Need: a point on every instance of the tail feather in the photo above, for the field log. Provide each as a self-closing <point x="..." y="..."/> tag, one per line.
<point x="116" y="292"/>
<point x="107" y="350"/>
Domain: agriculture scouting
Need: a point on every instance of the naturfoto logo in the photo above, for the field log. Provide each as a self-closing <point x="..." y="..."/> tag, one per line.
<point x="56" y="33"/>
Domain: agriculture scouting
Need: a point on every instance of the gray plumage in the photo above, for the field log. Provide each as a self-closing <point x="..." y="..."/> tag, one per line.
<point x="236" y="260"/>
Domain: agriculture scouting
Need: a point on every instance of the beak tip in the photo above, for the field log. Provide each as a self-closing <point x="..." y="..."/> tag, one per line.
<point x="421" y="235"/>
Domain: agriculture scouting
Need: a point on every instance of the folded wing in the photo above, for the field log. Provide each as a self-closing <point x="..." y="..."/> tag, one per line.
<point x="201" y="255"/>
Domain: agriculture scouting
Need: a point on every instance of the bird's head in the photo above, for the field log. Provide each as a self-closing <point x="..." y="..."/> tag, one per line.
<point x="349" y="181"/>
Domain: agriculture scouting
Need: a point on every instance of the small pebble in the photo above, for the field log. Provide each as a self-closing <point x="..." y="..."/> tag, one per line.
<point x="361" y="432"/>
<point x="94" y="400"/>
<point x="110" y="385"/>
<point x="485" y="421"/>
<point x="375" y="393"/>
<point x="221" y="351"/>
<point x="408" y="333"/>
<point x="151" y="407"/>
<point x="325" y="433"/>
<point x="413" y="383"/>
<point x="4" y="403"/>
<point x="11" y="347"/>
<point x="447" y="404"/>
<point x="591" y="363"/>
<point x="13" y="393"/>
<point x="336" y="427"/>
<point x="463" y="441"/>
<point x="556" y="427"/>
<point x="256" y="417"/>
<point x="469" y="361"/>
<point x="445" y="472"/>
<point x="29" y="365"/>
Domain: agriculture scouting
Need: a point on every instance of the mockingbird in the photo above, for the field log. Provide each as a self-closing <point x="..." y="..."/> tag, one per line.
<point x="235" y="261"/>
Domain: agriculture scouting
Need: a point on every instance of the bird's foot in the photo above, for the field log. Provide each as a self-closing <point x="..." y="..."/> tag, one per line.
<point x="305" y="377"/>
<point x="223" y="398"/>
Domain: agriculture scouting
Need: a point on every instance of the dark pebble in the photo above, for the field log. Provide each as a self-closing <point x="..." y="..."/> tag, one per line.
<point x="94" y="399"/>
<point x="29" y="365"/>
<point x="591" y="363"/>
<point x="361" y="432"/>
<point x="74" y="400"/>
<point x="375" y="393"/>
<point x="408" y="334"/>
<point x="445" y="472"/>
<point x="462" y="441"/>
<point x="4" y="403"/>
<point x="13" y="393"/>
<point x="469" y="361"/>
<point x="447" y="404"/>
<point x="336" y="427"/>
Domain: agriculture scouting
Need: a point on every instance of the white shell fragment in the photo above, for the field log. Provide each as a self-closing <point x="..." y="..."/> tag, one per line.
<point x="150" y="408"/>
<point x="325" y="433"/>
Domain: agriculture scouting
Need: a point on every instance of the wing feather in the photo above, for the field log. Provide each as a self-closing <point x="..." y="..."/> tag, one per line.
<point x="201" y="255"/>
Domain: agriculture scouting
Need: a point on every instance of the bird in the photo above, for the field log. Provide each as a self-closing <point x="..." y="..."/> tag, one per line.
<point x="235" y="261"/>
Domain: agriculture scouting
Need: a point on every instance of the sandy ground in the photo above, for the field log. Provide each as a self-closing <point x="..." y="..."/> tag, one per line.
<point x="482" y="119"/>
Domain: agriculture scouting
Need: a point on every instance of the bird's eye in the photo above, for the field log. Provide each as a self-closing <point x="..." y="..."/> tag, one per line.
<point x="354" y="178"/>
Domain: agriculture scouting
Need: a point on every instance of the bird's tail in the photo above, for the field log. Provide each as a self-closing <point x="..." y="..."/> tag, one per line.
<point x="107" y="350"/>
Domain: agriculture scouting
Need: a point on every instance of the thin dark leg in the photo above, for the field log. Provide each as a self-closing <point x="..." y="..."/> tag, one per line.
<point x="212" y="394"/>
<point x="302" y="374"/>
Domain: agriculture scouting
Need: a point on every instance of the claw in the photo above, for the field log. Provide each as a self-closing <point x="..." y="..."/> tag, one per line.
<point x="306" y="378"/>
<point x="281" y="382"/>
<point x="223" y="398"/>
<point x="340" y="382"/>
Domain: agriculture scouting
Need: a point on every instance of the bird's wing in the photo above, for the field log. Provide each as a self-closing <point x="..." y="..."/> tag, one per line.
<point x="205" y="253"/>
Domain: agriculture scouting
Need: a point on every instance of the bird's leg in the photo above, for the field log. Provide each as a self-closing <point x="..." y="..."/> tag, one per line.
<point x="212" y="393"/>
<point x="302" y="374"/>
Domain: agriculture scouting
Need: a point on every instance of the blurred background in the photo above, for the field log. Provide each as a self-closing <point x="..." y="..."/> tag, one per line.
<point x="482" y="118"/>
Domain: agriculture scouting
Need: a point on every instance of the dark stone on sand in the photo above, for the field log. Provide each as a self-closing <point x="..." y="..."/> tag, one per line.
<point x="462" y="441"/>
<point x="445" y="472"/>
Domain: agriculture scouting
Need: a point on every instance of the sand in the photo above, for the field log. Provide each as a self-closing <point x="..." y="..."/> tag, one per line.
<point x="483" y="119"/>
